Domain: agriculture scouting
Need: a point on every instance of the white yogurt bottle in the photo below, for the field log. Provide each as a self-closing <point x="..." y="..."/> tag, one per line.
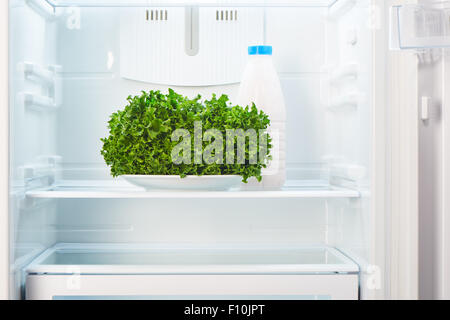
<point x="260" y="84"/>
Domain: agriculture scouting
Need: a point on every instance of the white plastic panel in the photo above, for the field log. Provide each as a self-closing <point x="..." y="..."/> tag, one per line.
<point x="292" y="46"/>
<point x="187" y="47"/>
<point x="306" y="117"/>
<point x="420" y="26"/>
<point x="286" y="220"/>
<point x="192" y="287"/>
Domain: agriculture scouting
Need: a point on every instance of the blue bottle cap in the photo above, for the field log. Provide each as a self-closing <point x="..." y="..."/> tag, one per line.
<point x="260" y="50"/>
<point x="252" y="50"/>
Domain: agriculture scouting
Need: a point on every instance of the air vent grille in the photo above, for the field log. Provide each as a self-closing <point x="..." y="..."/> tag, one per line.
<point x="156" y="15"/>
<point x="193" y="48"/>
<point x="226" y="15"/>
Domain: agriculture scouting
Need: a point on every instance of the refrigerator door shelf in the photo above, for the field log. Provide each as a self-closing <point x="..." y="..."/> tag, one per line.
<point x="114" y="259"/>
<point x="420" y="26"/>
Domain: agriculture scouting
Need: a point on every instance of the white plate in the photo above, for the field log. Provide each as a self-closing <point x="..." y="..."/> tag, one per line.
<point x="214" y="183"/>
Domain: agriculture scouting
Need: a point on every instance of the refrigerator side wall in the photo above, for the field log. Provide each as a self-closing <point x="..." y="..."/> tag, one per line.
<point x="4" y="152"/>
<point x="32" y="135"/>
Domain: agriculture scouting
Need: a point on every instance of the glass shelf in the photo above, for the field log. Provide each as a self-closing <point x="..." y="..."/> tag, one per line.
<point x="119" y="190"/>
<point x="189" y="259"/>
<point x="201" y="3"/>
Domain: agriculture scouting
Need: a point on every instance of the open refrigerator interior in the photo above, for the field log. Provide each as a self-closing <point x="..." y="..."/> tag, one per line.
<point x="74" y="63"/>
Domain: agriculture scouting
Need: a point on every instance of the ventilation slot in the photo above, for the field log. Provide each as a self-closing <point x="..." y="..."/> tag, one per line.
<point x="226" y="15"/>
<point x="156" y="15"/>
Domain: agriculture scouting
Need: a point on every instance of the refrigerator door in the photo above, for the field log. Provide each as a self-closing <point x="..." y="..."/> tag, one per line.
<point x="420" y="32"/>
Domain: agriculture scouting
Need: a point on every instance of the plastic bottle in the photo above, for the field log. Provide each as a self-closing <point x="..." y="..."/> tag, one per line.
<point x="261" y="85"/>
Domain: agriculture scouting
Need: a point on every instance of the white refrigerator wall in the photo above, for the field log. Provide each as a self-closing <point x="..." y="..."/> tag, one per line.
<point x="32" y="137"/>
<point x="329" y="136"/>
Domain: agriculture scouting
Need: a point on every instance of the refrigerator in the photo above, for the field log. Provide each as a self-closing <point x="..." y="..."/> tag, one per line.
<point x="363" y="213"/>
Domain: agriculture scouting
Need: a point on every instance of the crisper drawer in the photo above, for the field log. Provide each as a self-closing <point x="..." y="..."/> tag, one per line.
<point x="75" y="271"/>
<point x="192" y="287"/>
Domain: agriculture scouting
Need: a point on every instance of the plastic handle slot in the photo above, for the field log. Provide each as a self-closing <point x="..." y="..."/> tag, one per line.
<point x="192" y="30"/>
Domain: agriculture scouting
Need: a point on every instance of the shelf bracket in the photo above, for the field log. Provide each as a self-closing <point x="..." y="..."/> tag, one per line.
<point x="37" y="73"/>
<point x="49" y="79"/>
<point x="38" y="102"/>
<point x="192" y="30"/>
<point x="348" y="71"/>
<point x="349" y="101"/>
